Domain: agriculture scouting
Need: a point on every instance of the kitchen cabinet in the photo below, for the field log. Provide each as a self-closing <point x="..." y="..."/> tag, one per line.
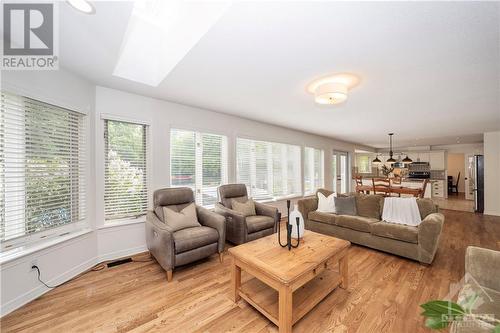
<point x="436" y="160"/>
<point x="423" y="157"/>
<point x="438" y="189"/>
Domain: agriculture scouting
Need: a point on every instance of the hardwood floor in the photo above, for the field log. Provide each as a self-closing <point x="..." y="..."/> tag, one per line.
<point x="384" y="293"/>
<point x="456" y="202"/>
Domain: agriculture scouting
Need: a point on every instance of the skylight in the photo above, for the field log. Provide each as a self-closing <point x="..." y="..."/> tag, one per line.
<point x="160" y="33"/>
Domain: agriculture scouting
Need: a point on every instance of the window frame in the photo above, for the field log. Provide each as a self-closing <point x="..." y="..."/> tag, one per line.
<point x="198" y="174"/>
<point x="107" y="223"/>
<point x="271" y="141"/>
<point x="20" y="244"/>
<point x="322" y="171"/>
<point x="358" y="160"/>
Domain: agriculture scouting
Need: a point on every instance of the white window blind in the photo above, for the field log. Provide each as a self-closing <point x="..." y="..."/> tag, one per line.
<point x="199" y="161"/>
<point x="364" y="163"/>
<point x="269" y="170"/>
<point x="313" y="169"/>
<point x="125" y="170"/>
<point x="42" y="164"/>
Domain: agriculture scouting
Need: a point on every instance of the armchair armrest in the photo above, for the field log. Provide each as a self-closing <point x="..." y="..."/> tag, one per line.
<point x="160" y="241"/>
<point x="267" y="210"/>
<point x="429" y="232"/>
<point x="236" y="226"/>
<point x="213" y="220"/>
<point x="484" y="266"/>
<point x="307" y="205"/>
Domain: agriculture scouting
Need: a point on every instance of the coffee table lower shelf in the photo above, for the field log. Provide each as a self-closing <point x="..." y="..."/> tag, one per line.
<point x="265" y="299"/>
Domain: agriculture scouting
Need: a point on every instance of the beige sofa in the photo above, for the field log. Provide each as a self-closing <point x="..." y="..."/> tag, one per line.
<point x="417" y="243"/>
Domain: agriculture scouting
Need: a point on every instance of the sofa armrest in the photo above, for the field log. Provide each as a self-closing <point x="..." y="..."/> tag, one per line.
<point x="160" y="241"/>
<point x="429" y="232"/>
<point x="307" y="205"/>
<point x="483" y="265"/>
<point x="213" y="220"/>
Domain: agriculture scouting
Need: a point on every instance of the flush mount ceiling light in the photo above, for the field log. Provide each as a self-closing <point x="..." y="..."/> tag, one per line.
<point x="82" y="5"/>
<point x="332" y="89"/>
<point x="159" y="35"/>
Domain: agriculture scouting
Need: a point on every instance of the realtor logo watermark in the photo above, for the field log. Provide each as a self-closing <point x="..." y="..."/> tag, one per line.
<point x="30" y="38"/>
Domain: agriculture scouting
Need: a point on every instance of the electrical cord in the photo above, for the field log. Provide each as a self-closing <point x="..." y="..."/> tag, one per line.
<point x="39" y="278"/>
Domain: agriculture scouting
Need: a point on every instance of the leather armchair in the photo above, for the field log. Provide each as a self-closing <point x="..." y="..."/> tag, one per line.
<point x="175" y="248"/>
<point x="239" y="228"/>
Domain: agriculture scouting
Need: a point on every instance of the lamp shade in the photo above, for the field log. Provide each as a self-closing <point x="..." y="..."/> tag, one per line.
<point x="391" y="160"/>
<point x="331" y="93"/>
<point x="407" y="159"/>
<point x="376" y="160"/>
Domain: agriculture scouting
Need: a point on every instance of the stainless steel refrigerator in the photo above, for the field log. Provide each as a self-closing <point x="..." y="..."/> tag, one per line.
<point x="478" y="183"/>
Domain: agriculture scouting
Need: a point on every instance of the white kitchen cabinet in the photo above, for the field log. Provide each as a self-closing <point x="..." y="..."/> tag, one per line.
<point x="423" y="157"/>
<point x="438" y="189"/>
<point x="436" y="160"/>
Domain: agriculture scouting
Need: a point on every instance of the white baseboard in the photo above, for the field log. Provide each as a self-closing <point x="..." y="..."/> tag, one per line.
<point x="122" y="253"/>
<point x="66" y="276"/>
<point x="490" y="212"/>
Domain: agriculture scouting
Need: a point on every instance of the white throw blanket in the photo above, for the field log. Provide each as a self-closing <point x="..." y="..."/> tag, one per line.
<point x="401" y="211"/>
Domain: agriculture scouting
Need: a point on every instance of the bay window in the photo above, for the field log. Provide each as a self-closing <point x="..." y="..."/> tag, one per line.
<point x="42" y="168"/>
<point x="125" y="170"/>
<point x="270" y="170"/>
<point x="313" y="170"/>
<point x="199" y="161"/>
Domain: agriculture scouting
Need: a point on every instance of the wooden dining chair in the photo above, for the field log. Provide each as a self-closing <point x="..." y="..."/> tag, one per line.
<point x="360" y="188"/>
<point x="381" y="186"/>
<point x="424" y="187"/>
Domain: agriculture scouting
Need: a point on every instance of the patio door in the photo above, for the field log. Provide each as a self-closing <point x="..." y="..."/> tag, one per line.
<point x="340" y="172"/>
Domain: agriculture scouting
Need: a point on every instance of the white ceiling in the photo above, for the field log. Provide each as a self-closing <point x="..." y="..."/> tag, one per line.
<point x="430" y="71"/>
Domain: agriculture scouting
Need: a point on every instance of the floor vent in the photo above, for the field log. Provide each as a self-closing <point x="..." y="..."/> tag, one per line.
<point x="119" y="262"/>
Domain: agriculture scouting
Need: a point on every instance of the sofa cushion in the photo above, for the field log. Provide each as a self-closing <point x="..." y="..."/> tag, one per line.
<point x="258" y="223"/>
<point x="345" y="206"/>
<point x="369" y="205"/>
<point x="246" y="208"/>
<point x="359" y="223"/>
<point x="177" y="220"/>
<point x="193" y="238"/>
<point x="328" y="218"/>
<point x="400" y="232"/>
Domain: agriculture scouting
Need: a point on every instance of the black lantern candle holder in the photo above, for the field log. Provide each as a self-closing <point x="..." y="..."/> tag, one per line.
<point x="289" y="228"/>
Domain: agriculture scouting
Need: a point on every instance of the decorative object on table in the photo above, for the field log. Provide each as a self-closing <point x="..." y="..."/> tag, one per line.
<point x="289" y="228"/>
<point x="386" y="171"/>
<point x="297" y="229"/>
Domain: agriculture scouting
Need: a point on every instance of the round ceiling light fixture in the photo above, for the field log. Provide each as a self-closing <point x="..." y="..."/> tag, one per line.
<point x="83" y="6"/>
<point x="332" y="89"/>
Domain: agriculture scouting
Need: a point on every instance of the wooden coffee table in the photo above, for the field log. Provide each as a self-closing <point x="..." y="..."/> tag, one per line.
<point x="286" y="285"/>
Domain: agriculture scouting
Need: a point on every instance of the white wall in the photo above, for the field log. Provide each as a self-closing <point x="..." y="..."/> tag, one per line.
<point x="492" y="173"/>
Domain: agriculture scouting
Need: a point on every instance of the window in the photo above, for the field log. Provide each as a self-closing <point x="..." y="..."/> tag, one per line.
<point x="313" y="169"/>
<point x="199" y="161"/>
<point x="125" y="170"/>
<point x="42" y="163"/>
<point x="269" y="170"/>
<point x="364" y="163"/>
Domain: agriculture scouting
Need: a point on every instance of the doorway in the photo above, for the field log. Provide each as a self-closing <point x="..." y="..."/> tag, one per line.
<point x="340" y="171"/>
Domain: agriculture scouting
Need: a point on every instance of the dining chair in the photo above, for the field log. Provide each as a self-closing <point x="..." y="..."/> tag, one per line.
<point x="424" y="187"/>
<point x="381" y="186"/>
<point x="360" y="188"/>
<point x="454" y="187"/>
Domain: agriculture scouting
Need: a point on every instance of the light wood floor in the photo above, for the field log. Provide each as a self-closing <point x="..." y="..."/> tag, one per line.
<point x="383" y="295"/>
<point x="455" y="202"/>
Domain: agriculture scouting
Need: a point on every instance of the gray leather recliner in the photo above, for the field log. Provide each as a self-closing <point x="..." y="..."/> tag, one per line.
<point x="239" y="228"/>
<point x="175" y="248"/>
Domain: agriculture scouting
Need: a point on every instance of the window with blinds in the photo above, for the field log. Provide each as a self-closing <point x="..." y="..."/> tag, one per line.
<point x="313" y="169"/>
<point x="125" y="170"/>
<point x="42" y="164"/>
<point x="269" y="170"/>
<point x="199" y="161"/>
